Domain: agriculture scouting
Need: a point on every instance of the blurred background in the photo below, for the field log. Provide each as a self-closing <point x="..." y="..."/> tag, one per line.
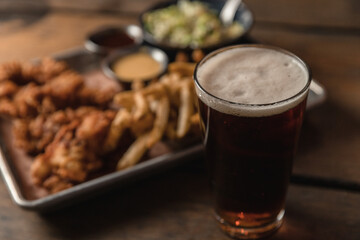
<point x="324" y="33"/>
<point x="276" y="22"/>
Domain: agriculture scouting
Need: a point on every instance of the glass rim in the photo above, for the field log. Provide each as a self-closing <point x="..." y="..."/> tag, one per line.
<point x="220" y="50"/>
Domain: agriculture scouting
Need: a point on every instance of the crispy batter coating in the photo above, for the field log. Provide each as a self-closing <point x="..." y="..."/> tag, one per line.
<point x="94" y="128"/>
<point x="12" y="71"/>
<point x="45" y="71"/>
<point x="27" y="100"/>
<point x="7" y="107"/>
<point x="23" y="73"/>
<point x="58" y="118"/>
<point x="33" y="135"/>
<point x="7" y="88"/>
<point x="75" y="149"/>
<point x="63" y="88"/>
<point x="31" y="89"/>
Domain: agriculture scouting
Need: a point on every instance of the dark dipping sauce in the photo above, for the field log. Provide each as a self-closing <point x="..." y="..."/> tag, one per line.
<point x="112" y="38"/>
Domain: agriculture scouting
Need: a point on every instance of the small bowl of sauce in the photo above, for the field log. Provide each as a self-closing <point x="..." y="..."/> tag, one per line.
<point x="136" y="64"/>
<point x="111" y="38"/>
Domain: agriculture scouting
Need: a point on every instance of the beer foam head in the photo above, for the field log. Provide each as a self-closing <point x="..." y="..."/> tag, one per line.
<point x="251" y="81"/>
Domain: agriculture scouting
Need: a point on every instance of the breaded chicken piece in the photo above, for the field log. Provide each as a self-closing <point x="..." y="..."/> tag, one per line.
<point x="12" y="71"/>
<point x="75" y="150"/>
<point x="34" y="134"/>
<point x="62" y="90"/>
<point x="27" y="100"/>
<point x="27" y="90"/>
<point x="58" y="118"/>
<point x="23" y="73"/>
<point x="7" y="107"/>
<point x="8" y="88"/>
<point x="94" y="128"/>
<point x="45" y="71"/>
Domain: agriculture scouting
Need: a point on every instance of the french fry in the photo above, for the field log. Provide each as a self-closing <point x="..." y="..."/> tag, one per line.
<point x="181" y="57"/>
<point x="153" y="103"/>
<point x="134" y="153"/>
<point x="137" y="85"/>
<point x="162" y="116"/>
<point x="117" y="127"/>
<point x="124" y="99"/>
<point x="185" y="110"/>
<point x="166" y="107"/>
<point x="143" y="124"/>
<point x="171" y="83"/>
<point x="182" y="68"/>
<point x="156" y="89"/>
<point x="175" y="76"/>
<point x="170" y="131"/>
<point x="197" y="55"/>
<point x="141" y="106"/>
<point x="195" y="119"/>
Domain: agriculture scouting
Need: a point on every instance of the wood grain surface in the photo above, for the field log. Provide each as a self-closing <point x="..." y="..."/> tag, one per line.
<point x="176" y="205"/>
<point x="324" y="199"/>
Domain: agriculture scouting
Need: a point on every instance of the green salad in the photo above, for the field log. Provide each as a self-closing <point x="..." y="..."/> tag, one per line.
<point x="189" y="24"/>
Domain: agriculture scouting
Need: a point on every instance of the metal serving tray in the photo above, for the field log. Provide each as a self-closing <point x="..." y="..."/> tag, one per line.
<point x="83" y="61"/>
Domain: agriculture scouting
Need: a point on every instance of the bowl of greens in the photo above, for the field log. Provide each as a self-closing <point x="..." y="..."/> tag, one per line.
<point x="188" y="25"/>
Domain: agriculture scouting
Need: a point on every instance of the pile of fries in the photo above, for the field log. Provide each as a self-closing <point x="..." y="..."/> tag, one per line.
<point x="165" y="108"/>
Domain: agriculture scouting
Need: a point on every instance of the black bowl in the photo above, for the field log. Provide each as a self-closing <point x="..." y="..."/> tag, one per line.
<point x="243" y="16"/>
<point x="96" y="40"/>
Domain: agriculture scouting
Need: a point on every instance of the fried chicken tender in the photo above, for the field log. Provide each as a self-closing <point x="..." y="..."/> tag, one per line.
<point x="7" y="107"/>
<point x="27" y="90"/>
<point x="40" y="73"/>
<point x="94" y="128"/>
<point x="94" y="97"/>
<point x="27" y="100"/>
<point x="12" y="71"/>
<point x="75" y="149"/>
<point x="7" y="88"/>
<point x="58" y="118"/>
<point x="62" y="89"/>
<point x="33" y="135"/>
<point x="57" y="184"/>
<point x="61" y="158"/>
<point x="45" y="71"/>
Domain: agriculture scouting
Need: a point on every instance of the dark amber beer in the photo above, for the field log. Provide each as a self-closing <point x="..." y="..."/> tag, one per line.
<point x="251" y="101"/>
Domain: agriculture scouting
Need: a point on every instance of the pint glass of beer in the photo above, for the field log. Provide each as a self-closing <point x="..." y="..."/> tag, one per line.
<point x="252" y="100"/>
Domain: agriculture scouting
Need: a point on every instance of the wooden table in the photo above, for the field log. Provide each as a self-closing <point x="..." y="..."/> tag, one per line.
<point x="324" y="197"/>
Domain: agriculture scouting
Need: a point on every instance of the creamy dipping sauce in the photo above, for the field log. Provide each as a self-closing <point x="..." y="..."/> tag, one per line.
<point x="139" y="66"/>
